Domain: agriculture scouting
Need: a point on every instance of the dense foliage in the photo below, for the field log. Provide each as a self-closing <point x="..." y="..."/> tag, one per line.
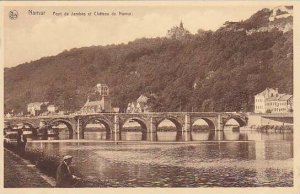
<point x="209" y="71"/>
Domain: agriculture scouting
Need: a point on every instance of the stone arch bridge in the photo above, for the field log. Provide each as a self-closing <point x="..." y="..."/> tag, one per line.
<point x="149" y="122"/>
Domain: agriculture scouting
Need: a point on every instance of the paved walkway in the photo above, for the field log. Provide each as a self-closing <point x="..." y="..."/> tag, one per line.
<point x="19" y="173"/>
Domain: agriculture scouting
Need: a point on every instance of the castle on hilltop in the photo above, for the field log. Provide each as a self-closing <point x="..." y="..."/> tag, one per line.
<point x="178" y="32"/>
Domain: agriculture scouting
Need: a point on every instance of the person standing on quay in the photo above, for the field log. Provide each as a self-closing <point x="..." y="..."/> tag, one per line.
<point x="64" y="177"/>
<point x="21" y="141"/>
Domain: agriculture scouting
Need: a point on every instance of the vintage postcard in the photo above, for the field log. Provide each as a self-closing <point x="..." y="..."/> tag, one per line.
<point x="150" y="97"/>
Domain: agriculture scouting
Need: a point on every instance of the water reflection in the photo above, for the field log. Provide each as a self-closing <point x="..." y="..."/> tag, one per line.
<point x="203" y="158"/>
<point x="206" y="163"/>
<point x="174" y="136"/>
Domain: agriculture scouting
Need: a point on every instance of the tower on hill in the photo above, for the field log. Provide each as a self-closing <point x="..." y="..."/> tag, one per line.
<point x="178" y="32"/>
<point x="98" y="101"/>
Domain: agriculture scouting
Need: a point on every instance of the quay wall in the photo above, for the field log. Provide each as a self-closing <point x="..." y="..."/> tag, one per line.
<point x="262" y="120"/>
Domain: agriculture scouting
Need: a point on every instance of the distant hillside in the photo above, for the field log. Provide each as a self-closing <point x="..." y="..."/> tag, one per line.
<point x="219" y="71"/>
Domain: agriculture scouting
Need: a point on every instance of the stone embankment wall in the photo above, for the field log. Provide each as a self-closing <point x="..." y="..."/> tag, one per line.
<point x="260" y="120"/>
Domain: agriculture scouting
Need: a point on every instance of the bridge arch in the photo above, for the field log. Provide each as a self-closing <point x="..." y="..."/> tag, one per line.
<point x="63" y="121"/>
<point x="208" y="121"/>
<point x="102" y="121"/>
<point x="241" y="121"/>
<point x="174" y="120"/>
<point x="140" y="121"/>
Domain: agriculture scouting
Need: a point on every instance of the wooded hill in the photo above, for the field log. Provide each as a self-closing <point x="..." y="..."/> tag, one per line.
<point x="219" y="71"/>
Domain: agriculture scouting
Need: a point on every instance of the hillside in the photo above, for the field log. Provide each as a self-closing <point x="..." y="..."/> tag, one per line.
<point x="219" y="71"/>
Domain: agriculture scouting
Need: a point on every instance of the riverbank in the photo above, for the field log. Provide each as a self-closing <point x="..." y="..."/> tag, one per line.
<point x="19" y="173"/>
<point x="33" y="168"/>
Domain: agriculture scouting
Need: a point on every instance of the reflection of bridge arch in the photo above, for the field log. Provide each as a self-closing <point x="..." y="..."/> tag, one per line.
<point x="103" y="121"/>
<point x="209" y="122"/>
<point x="63" y="121"/>
<point x="174" y="120"/>
<point x="140" y="121"/>
<point x="241" y="121"/>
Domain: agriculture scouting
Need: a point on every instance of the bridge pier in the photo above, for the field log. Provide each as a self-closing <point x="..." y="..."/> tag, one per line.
<point x="184" y="136"/>
<point x="79" y="129"/>
<point x="116" y="128"/>
<point x="187" y="123"/>
<point x="149" y="136"/>
<point x="220" y="126"/>
<point x="152" y="127"/>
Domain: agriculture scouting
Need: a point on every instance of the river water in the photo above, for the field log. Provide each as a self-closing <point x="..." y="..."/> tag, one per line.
<point x="169" y="159"/>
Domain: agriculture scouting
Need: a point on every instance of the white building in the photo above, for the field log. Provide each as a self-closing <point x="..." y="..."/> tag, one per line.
<point x="36" y="108"/>
<point x="139" y="106"/>
<point x="102" y="89"/>
<point x="270" y="101"/>
<point x="52" y="108"/>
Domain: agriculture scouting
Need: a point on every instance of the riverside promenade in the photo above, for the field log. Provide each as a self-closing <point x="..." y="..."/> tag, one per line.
<point x="20" y="173"/>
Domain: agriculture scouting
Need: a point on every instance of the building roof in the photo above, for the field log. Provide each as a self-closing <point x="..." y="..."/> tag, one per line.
<point x="272" y="98"/>
<point x="143" y="99"/>
<point x="263" y="93"/>
<point x="92" y="103"/>
<point x="35" y="104"/>
<point x="142" y="105"/>
<point x="285" y="97"/>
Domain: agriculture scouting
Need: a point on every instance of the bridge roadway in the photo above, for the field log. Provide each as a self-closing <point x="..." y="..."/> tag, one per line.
<point x="149" y="122"/>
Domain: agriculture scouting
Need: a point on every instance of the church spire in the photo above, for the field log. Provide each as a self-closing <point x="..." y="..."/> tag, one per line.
<point x="181" y="24"/>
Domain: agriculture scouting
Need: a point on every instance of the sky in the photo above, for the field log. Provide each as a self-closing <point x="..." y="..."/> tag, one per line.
<point x="31" y="37"/>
